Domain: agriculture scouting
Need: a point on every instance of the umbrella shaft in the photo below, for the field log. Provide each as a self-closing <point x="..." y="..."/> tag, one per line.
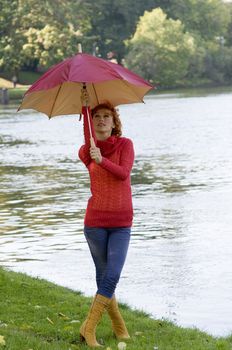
<point x="92" y="143"/>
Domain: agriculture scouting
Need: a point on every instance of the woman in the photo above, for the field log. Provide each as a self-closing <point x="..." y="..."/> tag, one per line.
<point x="109" y="212"/>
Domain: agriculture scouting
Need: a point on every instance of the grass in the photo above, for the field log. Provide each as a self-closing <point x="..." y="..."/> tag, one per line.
<point x="25" y="80"/>
<point x="14" y="93"/>
<point x="36" y="314"/>
<point x="24" y="77"/>
<point x="17" y="93"/>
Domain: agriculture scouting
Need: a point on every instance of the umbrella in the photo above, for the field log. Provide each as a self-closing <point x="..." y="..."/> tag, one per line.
<point x="58" y="91"/>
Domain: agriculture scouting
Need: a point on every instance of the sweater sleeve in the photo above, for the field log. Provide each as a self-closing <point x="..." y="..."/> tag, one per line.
<point x="84" y="150"/>
<point x="123" y="169"/>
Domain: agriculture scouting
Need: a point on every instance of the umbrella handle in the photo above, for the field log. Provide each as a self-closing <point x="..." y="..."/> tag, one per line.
<point x="92" y="143"/>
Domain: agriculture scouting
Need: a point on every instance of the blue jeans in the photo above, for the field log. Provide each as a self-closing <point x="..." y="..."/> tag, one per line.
<point x="108" y="247"/>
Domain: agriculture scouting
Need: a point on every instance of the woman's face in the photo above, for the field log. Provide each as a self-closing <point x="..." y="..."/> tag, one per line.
<point x="103" y="121"/>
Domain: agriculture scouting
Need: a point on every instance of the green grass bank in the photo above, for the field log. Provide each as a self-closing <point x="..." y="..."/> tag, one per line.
<point x="25" y="80"/>
<point x="39" y="315"/>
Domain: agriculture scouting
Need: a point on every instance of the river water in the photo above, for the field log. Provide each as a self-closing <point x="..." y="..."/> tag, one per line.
<point x="179" y="262"/>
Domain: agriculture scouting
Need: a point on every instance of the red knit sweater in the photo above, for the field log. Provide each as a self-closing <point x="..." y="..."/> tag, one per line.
<point x="111" y="202"/>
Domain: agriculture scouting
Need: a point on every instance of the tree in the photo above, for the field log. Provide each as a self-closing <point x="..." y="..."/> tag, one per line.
<point x="160" y="50"/>
<point x="10" y="39"/>
<point x="210" y="23"/>
<point x="39" y="33"/>
<point x="112" y="22"/>
<point x="218" y="63"/>
<point x="228" y="35"/>
<point x="206" y="18"/>
<point x="35" y="35"/>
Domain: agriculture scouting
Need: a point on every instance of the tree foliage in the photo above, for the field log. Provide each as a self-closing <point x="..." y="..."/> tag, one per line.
<point x="191" y="39"/>
<point x="207" y="18"/>
<point x="112" y="22"/>
<point x="39" y="33"/>
<point x="164" y="43"/>
<point x="228" y="34"/>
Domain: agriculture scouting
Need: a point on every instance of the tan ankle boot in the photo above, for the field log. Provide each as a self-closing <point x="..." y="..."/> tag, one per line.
<point x="88" y="328"/>
<point x="118" y="323"/>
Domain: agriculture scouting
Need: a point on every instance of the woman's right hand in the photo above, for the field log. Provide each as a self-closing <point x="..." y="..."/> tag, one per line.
<point x="95" y="154"/>
<point x="85" y="99"/>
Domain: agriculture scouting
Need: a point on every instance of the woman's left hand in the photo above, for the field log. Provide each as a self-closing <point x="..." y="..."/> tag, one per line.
<point x="95" y="154"/>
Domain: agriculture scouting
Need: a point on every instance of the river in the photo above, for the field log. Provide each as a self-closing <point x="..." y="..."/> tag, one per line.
<point x="179" y="262"/>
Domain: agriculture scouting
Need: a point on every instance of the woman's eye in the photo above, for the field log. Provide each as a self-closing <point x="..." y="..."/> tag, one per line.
<point x="105" y="116"/>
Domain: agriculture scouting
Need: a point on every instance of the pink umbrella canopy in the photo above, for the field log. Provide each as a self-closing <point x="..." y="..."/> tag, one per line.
<point x="58" y="91"/>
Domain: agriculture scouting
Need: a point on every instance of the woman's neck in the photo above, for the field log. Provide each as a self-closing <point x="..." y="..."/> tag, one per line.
<point x="102" y="136"/>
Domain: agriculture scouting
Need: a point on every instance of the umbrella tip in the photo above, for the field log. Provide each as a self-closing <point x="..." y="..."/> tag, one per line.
<point x="79" y="48"/>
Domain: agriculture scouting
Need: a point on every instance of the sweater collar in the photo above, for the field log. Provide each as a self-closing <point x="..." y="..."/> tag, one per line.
<point x="109" y="145"/>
